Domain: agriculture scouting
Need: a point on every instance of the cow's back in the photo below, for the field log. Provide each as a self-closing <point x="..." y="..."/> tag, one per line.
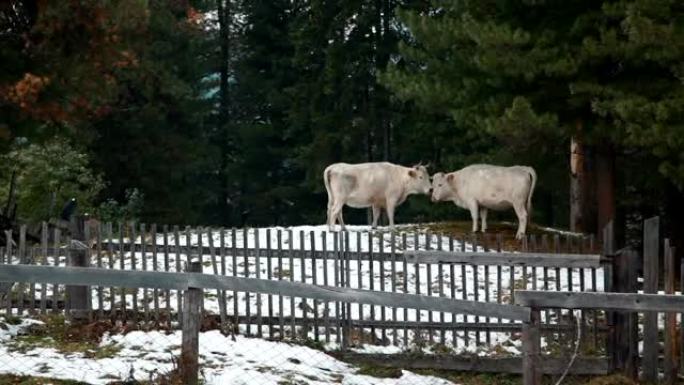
<point x="495" y="187"/>
<point x="364" y="184"/>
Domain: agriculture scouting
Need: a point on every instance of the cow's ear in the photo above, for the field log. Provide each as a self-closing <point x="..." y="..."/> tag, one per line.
<point x="450" y="178"/>
<point x="412" y="173"/>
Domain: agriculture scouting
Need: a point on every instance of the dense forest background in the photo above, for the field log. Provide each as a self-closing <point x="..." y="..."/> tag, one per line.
<point x="226" y="112"/>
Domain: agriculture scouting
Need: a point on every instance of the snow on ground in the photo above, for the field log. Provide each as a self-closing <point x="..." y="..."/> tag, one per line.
<point x="476" y="283"/>
<point x="223" y="361"/>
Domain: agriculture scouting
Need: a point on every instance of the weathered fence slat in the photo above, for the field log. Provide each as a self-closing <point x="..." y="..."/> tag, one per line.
<point x="223" y="305"/>
<point x="488" y="335"/>
<point x="464" y="285"/>
<point x="133" y="267"/>
<point x="428" y="281"/>
<point x="21" y="254"/>
<point x="44" y="261"/>
<point x="476" y="286"/>
<point x="531" y="364"/>
<point x="143" y="264"/>
<point x="32" y="287"/>
<point x="122" y="266"/>
<point x="440" y="281"/>
<point x="651" y="272"/>
<point x="214" y="265"/>
<point x="293" y="329"/>
<point x="281" y="309"/>
<point x="98" y="251"/>
<point x="312" y="243"/>
<point x="177" y="252"/>
<point x="347" y="284"/>
<point x="8" y="297"/>
<point x="167" y="293"/>
<point x="155" y="267"/>
<point x="393" y="283"/>
<point x="326" y="305"/>
<point x="303" y="303"/>
<point x="671" y="364"/>
<point x="452" y="284"/>
<point x="245" y="239"/>
<point x="189" y="361"/>
<point x="257" y="268"/>
<point x="269" y="275"/>
<point x="405" y="286"/>
<point x="381" y="263"/>
<point x="234" y="264"/>
<point x="109" y="234"/>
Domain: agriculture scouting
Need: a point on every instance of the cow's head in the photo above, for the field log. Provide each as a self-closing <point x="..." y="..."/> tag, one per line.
<point x="419" y="180"/>
<point x="442" y="186"/>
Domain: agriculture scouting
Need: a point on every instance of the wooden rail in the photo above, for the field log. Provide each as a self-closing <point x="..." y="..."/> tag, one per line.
<point x="571" y="261"/>
<point x="530" y="259"/>
<point x="183" y="281"/>
<point x="608" y="301"/>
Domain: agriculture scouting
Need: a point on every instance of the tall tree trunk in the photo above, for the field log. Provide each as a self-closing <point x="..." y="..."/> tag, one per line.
<point x="605" y="185"/>
<point x="577" y="181"/>
<point x="224" y="17"/>
<point x="383" y="51"/>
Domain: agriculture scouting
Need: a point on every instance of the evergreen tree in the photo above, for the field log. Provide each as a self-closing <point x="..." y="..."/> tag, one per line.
<point x="531" y="74"/>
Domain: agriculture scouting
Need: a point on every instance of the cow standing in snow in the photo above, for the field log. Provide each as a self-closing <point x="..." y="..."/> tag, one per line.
<point x="481" y="187"/>
<point x="378" y="185"/>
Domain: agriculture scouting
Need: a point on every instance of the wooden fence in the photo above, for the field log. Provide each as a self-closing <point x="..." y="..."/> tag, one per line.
<point x="662" y="345"/>
<point x="469" y="268"/>
<point x="345" y="289"/>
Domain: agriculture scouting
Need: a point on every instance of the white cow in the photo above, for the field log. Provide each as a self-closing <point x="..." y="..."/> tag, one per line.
<point x="378" y="185"/>
<point x="481" y="187"/>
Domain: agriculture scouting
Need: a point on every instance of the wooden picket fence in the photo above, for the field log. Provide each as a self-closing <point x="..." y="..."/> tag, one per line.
<point x="470" y="268"/>
<point x="359" y="288"/>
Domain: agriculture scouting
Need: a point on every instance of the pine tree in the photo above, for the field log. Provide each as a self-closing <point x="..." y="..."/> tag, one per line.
<point x="532" y="74"/>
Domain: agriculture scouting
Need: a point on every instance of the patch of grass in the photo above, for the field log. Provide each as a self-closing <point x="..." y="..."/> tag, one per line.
<point x="459" y="229"/>
<point x="106" y="351"/>
<point x="12" y="320"/>
<point x="56" y="333"/>
<point x="379" y="371"/>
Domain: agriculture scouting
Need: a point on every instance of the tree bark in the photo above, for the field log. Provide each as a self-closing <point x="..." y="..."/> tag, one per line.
<point x="577" y="182"/>
<point x="605" y="184"/>
<point x="223" y="9"/>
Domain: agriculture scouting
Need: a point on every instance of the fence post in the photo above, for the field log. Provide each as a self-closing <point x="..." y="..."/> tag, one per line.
<point x="531" y="349"/>
<point x="78" y="297"/>
<point x="651" y="273"/>
<point x="671" y="366"/>
<point x="189" y="361"/>
<point x="625" y="352"/>
<point x="608" y="250"/>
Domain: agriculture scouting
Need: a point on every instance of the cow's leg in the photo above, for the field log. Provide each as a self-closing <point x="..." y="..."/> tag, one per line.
<point x="521" y="212"/>
<point x="473" y="214"/>
<point x="483" y="215"/>
<point x="390" y="214"/>
<point x="330" y="220"/>
<point x="376" y="216"/>
<point x="336" y="213"/>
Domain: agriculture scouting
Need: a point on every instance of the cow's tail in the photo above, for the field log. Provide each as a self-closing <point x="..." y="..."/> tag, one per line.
<point x="326" y="181"/>
<point x="533" y="182"/>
